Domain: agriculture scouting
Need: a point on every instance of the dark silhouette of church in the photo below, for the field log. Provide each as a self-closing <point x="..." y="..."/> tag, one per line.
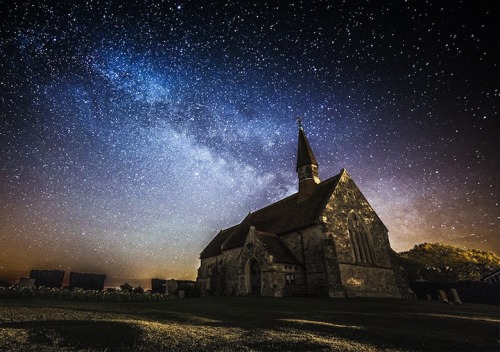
<point x="324" y="240"/>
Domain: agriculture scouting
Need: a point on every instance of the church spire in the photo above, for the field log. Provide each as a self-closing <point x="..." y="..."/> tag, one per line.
<point x="307" y="166"/>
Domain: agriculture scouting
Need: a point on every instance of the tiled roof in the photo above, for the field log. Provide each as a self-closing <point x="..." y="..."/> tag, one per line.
<point x="284" y="216"/>
<point x="215" y="246"/>
<point x="274" y="246"/>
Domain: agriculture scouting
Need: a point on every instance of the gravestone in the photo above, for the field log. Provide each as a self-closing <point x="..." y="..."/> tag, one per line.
<point x="442" y="296"/>
<point x="456" y="297"/>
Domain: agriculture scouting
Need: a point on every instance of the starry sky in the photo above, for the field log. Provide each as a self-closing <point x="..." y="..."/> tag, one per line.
<point x="132" y="131"/>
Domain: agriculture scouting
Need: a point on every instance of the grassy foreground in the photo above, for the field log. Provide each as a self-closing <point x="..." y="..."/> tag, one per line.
<point x="248" y="324"/>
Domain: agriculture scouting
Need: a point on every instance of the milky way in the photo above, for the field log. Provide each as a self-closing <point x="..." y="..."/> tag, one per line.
<point x="132" y="131"/>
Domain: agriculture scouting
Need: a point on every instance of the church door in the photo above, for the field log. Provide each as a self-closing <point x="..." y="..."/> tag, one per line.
<point x="255" y="277"/>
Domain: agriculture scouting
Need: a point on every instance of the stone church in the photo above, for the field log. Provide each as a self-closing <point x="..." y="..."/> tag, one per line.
<point x="324" y="240"/>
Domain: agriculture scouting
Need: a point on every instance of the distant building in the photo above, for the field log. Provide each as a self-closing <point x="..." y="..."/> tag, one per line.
<point x="163" y="286"/>
<point x="47" y="278"/>
<point x="324" y="240"/>
<point x="86" y="281"/>
<point x="158" y="286"/>
<point x="172" y="286"/>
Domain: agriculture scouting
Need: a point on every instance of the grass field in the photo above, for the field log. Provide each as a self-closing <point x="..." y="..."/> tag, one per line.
<point x="248" y="324"/>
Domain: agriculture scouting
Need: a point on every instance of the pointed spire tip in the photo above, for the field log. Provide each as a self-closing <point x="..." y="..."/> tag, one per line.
<point x="299" y="122"/>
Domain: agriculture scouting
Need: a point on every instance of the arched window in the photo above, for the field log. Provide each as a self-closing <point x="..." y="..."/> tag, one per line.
<point x="362" y="246"/>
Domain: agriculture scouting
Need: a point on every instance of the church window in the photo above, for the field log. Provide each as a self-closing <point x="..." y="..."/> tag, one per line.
<point x="361" y="242"/>
<point x="290" y="279"/>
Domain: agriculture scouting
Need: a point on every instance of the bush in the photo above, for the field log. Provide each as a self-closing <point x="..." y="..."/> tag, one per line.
<point x="107" y="295"/>
<point x="4" y="283"/>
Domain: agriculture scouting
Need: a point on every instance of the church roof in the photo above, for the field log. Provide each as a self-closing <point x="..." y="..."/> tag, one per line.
<point x="274" y="246"/>
<point x="284" y="216"/>
<point x="215" y="246"/>
<point x="305" y="154"/>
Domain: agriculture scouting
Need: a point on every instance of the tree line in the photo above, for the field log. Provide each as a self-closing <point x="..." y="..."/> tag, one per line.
<point x="445" y="263"/>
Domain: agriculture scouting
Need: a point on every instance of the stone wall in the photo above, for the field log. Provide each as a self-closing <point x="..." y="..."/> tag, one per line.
<point x="203" y="278"/>
<point x="307" y="246"/>
<point x="346" y="198"/>
<point x="219" y="275"/>
<point x="232" y="271"/>
<point x="368" y="281"/>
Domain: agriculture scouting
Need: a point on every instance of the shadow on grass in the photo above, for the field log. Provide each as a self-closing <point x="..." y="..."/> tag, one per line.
<point x="285" y="324"/>
<point x="79" y="334"/>
<point x="286" y="346"/>
<point x="385" y="324"/>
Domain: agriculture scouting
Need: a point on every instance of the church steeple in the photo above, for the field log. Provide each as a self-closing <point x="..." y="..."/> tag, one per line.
<point x="307" y="166"/>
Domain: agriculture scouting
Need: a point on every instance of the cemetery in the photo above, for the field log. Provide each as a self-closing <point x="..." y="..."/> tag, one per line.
<point x="86" y="287"/>
<point x="79" y="295"/>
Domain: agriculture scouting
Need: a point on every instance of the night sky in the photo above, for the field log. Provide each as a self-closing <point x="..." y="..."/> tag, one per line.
<point x="131" y="132"/>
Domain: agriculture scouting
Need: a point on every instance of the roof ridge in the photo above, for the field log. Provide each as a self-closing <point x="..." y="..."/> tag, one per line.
<point x="265" y="233"/>
<point x="335" y="179"/>
<point x="236" y="230"/>
<point x="294" y="194"/>
<point x="283" y="200"/>
<point x="277" y="202"/>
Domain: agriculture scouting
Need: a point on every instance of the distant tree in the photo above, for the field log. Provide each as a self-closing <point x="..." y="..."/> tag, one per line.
<point x="126" y="287"/>
<point x="440" y="262"/>
<point x="138" y="289"/>
<point x="4" y="283"/>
